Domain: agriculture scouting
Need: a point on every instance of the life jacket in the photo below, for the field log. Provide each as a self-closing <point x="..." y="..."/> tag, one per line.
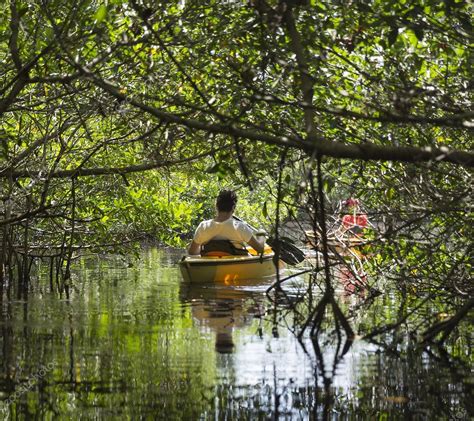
<point x="357" y="220"/>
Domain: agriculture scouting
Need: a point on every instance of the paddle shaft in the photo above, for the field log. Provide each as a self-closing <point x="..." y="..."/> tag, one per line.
<point x="288" y="252"/>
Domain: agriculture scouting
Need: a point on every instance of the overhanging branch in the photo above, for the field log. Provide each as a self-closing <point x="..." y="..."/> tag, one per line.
<point x="312" y="145"/>
<point x="86" y="172"/>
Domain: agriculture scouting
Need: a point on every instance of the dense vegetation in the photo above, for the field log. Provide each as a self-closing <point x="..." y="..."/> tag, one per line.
<point x="121" y="120"/>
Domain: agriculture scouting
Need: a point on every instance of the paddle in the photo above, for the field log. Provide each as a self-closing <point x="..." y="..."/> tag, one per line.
<point x="283" y="247"/>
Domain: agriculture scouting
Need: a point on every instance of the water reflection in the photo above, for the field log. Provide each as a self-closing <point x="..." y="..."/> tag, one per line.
<point x="134" y="342"/>
<point x="225" y="308"/>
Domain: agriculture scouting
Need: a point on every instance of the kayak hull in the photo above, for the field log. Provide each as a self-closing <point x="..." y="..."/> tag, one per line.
<point x="227" y="269"/>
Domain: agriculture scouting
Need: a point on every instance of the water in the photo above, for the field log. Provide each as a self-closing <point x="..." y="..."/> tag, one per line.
<point x="137" y="343"/>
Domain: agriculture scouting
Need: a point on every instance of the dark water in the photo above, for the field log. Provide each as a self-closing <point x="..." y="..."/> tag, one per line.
<point x="137" y="343"/>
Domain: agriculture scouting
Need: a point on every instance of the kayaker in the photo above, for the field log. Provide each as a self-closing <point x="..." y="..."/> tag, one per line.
<point x="353" y="220"/>
<point x="225" y="227"/>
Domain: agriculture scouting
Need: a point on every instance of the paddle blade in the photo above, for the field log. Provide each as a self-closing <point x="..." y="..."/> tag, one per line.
<point x="288" y="252"/>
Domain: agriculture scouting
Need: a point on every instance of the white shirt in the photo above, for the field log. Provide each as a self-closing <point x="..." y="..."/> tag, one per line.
<point x="230" y="229"/>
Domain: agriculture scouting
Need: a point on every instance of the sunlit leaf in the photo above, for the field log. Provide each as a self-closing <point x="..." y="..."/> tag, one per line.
<point x="101" y="13"/>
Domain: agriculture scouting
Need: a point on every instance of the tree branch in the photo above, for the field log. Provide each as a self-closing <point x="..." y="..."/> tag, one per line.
<point x="447" y="326"/>
<point x="85" y="172"/>
<point x="314" y="144"/>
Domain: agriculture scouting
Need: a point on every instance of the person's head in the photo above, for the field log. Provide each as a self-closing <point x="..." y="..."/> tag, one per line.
<point x="226" y="201"/>
<point x="351" y="204"/>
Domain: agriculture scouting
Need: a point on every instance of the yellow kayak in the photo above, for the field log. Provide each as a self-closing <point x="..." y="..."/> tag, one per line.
<point x="228" y="269"/>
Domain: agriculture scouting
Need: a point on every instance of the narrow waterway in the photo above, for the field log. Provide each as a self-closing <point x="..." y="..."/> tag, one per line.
<point x="135" y="342"/>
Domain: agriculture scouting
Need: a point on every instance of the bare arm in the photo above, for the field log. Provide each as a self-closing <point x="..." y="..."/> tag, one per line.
<point x="257" y="242"/>
<point x="194" y="248"/>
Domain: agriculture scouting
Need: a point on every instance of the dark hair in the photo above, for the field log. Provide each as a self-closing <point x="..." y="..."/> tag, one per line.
<point x="226" y="201"/>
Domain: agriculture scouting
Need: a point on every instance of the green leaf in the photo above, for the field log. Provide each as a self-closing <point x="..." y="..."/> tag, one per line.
<point x="101" y="13"/>
<point x="49" y="33"/>
<point x="390" y="193"/>
<point x="411" y="37"/>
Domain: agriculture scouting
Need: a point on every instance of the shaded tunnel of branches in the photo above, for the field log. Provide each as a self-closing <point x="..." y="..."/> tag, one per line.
<point x="93" y="105"/>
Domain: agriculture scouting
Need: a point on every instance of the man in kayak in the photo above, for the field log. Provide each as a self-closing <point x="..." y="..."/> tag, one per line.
<point x="226" y="227"/>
